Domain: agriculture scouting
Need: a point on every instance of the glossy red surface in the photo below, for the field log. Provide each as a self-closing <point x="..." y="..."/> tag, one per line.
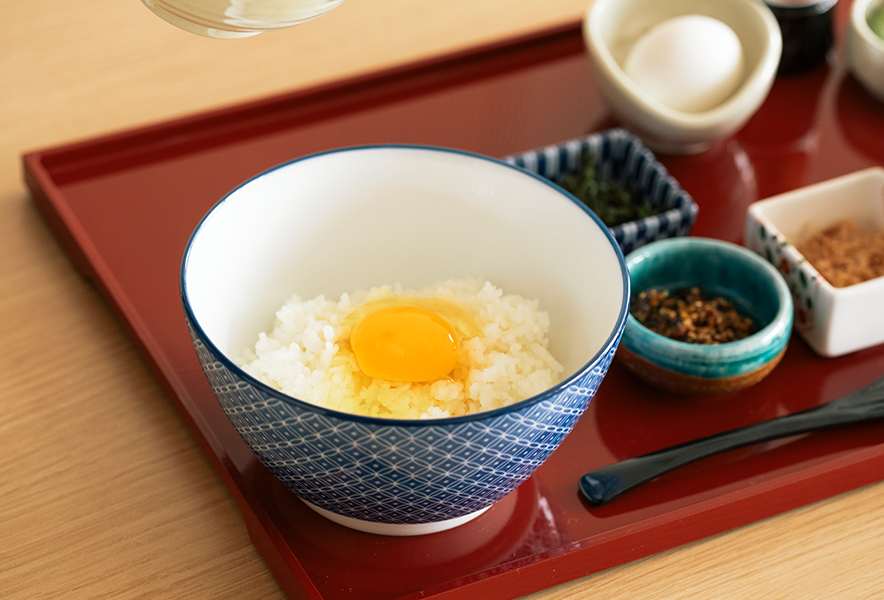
<point x="124" y="206"/>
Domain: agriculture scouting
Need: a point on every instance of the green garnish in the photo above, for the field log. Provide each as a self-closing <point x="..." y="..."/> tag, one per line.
<point x="876" y="21"/>
<point x="613" y="202"/>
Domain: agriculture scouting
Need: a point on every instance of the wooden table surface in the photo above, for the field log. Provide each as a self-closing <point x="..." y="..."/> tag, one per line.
<point x="103" y="491"/>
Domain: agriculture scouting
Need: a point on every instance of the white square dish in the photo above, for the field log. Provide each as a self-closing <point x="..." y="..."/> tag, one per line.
<point x="832" y="320"/>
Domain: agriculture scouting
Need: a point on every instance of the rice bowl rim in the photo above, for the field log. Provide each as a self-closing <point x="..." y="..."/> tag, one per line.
<point x="556" y="389"/>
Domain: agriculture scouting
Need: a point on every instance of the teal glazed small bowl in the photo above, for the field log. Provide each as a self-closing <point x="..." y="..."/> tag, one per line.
<point x="751" y="284"/>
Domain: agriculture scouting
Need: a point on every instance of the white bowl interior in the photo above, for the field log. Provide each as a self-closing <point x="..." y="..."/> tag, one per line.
<point x="623" y="22"/>
<point x="350" y="220"/>
<point x="627" y="21"/>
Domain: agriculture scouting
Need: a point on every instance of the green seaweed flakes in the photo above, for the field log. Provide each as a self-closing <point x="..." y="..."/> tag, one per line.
<point x="613" y="202"/>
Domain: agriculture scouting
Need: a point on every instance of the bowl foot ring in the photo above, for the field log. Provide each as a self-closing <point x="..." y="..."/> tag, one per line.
<point x="395" y="529"/>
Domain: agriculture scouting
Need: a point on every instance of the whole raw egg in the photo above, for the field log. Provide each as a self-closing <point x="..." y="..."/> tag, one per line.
<point x="691" y="63"/>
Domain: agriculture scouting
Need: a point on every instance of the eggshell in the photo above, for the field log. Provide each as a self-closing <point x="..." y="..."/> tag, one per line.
<point x="691" y="63"/>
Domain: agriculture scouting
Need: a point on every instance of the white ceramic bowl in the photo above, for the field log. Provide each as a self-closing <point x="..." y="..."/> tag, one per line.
<point x="610" y="29"/>
<point x="357" y="218"/>
<point x="833" y="321"/>
<point x="865" y="50"/>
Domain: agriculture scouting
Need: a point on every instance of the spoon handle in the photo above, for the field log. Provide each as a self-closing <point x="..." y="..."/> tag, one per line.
<point x="605" y="484"/>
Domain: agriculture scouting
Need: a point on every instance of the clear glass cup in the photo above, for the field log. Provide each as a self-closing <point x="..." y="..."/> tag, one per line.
<point x="237" y="18"/>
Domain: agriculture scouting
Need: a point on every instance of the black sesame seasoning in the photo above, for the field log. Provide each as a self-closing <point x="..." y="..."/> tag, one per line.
<point x="690" y="315"/>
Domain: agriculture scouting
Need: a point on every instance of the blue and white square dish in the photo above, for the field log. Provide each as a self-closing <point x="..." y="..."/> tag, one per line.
<point x="621" y="156"/>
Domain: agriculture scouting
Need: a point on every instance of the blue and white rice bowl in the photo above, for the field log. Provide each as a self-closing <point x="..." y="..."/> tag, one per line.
<point x="362" y="217"/>
<point x="620" y="156"/>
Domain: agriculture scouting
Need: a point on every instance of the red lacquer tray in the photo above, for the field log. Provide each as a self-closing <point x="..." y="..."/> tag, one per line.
<point x="124" y="206"/>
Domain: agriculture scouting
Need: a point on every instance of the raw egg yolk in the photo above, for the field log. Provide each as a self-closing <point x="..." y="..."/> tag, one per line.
<point x="404" y="343"/>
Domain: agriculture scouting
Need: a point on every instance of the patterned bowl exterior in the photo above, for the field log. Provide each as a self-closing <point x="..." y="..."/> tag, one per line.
<point x="398" y="472"/>
<point x="620" y="155"/>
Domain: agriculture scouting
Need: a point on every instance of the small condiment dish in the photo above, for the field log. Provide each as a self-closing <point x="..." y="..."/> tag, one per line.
<point x="865" y="49"/>
<point x="720" y="269"/>
<point x="832" y="320"/>
<point x="619" y="155"/>
<point x="612" y="27"/>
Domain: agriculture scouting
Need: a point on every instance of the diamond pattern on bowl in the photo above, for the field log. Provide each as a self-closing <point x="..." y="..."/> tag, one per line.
<point x="385" y="471"/>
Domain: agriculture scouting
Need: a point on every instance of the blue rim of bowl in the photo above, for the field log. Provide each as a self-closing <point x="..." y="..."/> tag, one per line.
<point x="761" y="339"/>
<point x="482" y="415"/>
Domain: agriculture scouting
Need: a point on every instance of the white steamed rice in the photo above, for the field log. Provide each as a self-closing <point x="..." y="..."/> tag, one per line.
<point x="508" y="362"/>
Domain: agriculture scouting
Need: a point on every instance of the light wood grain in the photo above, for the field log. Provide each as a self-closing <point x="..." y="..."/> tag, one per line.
<point x="103" y="491"/>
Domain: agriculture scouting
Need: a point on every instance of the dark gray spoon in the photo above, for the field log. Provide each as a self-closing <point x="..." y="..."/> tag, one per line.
<point x="603" y="485"/>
